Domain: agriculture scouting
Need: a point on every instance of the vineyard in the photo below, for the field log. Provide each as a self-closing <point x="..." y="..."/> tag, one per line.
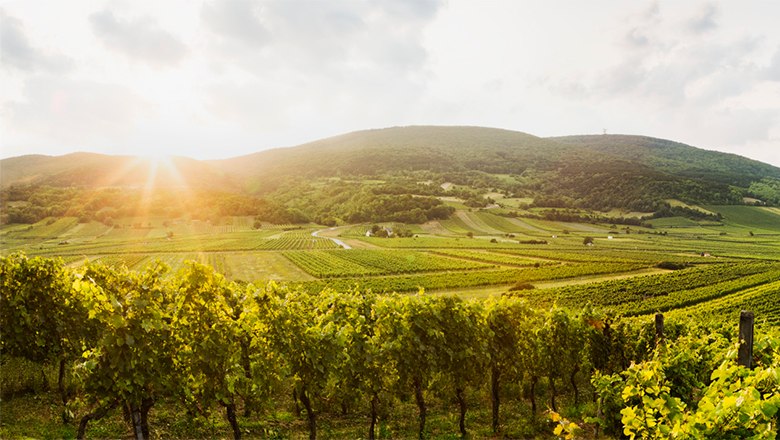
<point x="663" y="286"/>
<point x="762" y="299"/>
<point x="283" y="332"/>
<point x="286" y="243"/>
<point x="496" y="258"/>
<point x="139" y="354"/>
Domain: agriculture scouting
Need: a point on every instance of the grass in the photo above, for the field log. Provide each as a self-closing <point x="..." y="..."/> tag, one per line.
<point x="679" y="203"/>
<point x="766" y="219"/>
<point x="47" y="228"/>
<point x="476" y="222"/>
<point x="37" y="416"/>
<point x="672" y="222"/>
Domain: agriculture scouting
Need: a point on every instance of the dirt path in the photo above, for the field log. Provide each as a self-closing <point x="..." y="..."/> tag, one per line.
<point x="335" y="240"/>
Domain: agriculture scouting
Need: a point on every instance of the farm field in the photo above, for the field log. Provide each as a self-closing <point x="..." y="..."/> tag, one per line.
<point x="474" y="254"/>
<point x="420" y="304"/>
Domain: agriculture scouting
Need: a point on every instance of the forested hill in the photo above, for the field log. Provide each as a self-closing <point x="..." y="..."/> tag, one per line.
<point x="390" y="150"/>
<point x="676" y="158"/>
<point x="352" y="176"/>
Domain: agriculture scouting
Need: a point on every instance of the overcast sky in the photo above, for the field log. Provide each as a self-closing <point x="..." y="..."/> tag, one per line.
<point x="215" y="79"/>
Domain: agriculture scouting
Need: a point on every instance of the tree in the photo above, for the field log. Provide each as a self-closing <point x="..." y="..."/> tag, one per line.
<point x="587" y="240"/>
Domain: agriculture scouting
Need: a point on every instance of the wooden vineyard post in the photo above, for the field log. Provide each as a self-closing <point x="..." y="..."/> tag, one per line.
<point x="745" y="356"/>
<point x="659" y="328"/>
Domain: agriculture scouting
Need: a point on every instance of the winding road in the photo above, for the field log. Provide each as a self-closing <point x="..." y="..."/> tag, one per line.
<point x="335" y="240"/>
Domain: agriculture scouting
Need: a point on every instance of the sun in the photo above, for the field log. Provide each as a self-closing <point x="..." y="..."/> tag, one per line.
<point x="155" y="158"/>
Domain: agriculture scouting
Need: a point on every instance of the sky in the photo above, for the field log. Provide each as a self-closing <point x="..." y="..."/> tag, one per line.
<point x="214" y="79"/>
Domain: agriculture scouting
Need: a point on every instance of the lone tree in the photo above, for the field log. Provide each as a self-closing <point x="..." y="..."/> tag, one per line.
<point x="587" y="240"/>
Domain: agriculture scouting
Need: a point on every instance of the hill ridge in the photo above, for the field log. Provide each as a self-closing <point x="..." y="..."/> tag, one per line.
<point x="629" y="171"/>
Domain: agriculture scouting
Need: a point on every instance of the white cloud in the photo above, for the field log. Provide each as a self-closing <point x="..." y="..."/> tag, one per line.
<point x="705" y="19"/>
<point x="772" y="72"/>
<point x="74" y="112"/>
<point x="239" y="20"/>
<point x="232" y="77"/>
<point x="139" y="38"/>
<point x="16" y="50"/>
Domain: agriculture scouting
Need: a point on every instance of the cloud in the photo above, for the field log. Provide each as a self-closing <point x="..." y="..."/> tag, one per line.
<point x="704" y="21"/>
<point x="239" y="20"/>
<point x="17" y="52"/>
<point x="350" y="64"/>
<point x="664" y="68"/>
<point x="321" y="39"/>
<point x="637" y="37"/>
<point x="141" y="39"/>
<point x="739" y="126"/>
<point x="772" y="72"/>
<point x="76" y="112"/>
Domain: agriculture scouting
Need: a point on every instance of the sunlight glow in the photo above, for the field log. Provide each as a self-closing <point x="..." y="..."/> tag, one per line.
<point x="155" y="158"/>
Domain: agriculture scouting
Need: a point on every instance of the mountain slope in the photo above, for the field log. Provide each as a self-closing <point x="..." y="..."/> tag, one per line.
<point x="676" y="158"/>
<point x="390" y="150"/>
<point x="98" y="170"/>
<point x="597" y="172"/>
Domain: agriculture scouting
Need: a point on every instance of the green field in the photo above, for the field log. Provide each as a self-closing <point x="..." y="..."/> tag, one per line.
<point x="404" y="282"/>
<point x="473" y="253"/>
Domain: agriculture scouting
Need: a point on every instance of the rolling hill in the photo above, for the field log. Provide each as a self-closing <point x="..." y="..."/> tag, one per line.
<point x="599" y="172"/>
<point x="91" y="170"/>
<point x="676" y="158"/>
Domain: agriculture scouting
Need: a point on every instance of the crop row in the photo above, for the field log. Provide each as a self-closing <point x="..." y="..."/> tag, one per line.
<point x="437" y="242"/>
<point x="615" y="292"/>
<point x="761" y="300"/>
<point x="690" y="297"/>
<point x="128" y="260"/>
<point x="298" y="234"/>
<point x="496" y="222"/>
<point x="357" y="262"/>
<point x="588" y="256"/>
<point x="496" y="258"/>
<point x="285" y="243"/>
<point x="451" y="280"/>
<point x="406" y="261"/>
<point x="322" y="264"/>
<point x="47" y="228"/>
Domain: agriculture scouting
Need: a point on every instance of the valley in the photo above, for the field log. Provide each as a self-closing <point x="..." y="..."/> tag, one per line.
<point x="474" y="254"/>
<point x="382" y="275"/>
